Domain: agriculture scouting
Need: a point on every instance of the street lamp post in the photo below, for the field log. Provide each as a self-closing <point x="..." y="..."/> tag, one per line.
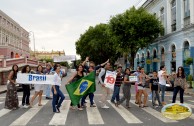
<point x="33" y="41"/>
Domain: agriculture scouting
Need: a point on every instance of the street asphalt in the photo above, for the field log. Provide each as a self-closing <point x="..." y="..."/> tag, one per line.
<point x="121" y="116"/>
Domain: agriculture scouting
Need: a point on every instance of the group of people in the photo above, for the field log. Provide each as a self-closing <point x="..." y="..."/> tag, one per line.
<point x="157" y="83"/>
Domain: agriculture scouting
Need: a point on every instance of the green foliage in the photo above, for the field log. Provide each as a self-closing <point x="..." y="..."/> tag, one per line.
<point x="65" y="64"/>
<point x="47" y="60"/>
<point x="97" y="43"/>
<point x="189" y="61"/>
<point x="135" y="29"/>
<point x="190" y="78"/>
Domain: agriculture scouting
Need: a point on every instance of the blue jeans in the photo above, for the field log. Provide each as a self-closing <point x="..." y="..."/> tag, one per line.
<point x="91" y="97"/>
<point x="116" y="94"/>
<point x="176" y="90"/>
<point x="48" y="90"/>
<point x="61" y="97"/>
<point x="162" y="88"/>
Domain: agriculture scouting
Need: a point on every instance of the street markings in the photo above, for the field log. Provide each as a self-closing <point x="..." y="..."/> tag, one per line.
<point x="60" y="118"/>
<point x="94" y="116"/>
<point x="191" y="101"/>
<point x="27" y="116"/>
<point x="5" y="111"/>
<point x="1" y="102"/>
<point x="127" y="116"/>
<point x="155" y="113"/>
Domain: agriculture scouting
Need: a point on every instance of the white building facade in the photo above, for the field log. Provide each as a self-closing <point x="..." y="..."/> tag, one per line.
<point x="177" y="43"/>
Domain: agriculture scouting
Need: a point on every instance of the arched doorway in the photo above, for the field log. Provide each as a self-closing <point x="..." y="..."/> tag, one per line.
<point x="155" y="60"/>
<point x="186" y="54"/>
<point x="12" y="55"/>
<point x="148" y="62"/>
<point x="162" y="57"/>
<point x="142" y="60"/>
<point x="173" y="58"/>
<point x="138" y="60"/>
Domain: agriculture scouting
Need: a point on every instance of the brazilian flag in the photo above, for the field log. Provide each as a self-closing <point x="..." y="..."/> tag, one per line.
<point x="81" y="87"/>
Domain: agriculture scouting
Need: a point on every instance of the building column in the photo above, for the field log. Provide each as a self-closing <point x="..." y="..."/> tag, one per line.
<point x="191" y="11"/>
<point x="168" y="17"/>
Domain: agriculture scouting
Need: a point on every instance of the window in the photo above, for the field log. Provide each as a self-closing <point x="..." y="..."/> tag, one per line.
<point x="173" y="52"/>
<point x="186" y="8"/>
<point x="173" y="15"/>
<point x="162" y="15"/>
<point x="186" y="12"/>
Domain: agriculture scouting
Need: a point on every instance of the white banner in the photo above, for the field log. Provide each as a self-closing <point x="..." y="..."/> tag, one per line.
<point x="64" y="58"/>
<point x="23" y="78"/>
<point x="110" y="79"/>
<point x="133" y="78"/>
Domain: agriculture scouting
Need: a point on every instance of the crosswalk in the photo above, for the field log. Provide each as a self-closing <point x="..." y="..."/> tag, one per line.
<point x="93" y="114"/>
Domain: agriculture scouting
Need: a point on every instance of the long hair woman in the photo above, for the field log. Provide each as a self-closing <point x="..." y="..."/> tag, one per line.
<point x="126" y="89"/>
<point x="11" y="101"/>
<point x="38" y="88"/>
<point x="141" y="87"/>
<point x="26" y="89"/>
<point x="58" y="96"/>
<point x="78" y="75"/>
<point x="180" y="84"/>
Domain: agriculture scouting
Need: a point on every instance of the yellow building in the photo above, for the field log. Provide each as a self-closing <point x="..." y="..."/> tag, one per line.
<point x="47" y="54"/>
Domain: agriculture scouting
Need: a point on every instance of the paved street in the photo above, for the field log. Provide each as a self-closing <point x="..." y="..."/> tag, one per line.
<point x="135" y="116"/>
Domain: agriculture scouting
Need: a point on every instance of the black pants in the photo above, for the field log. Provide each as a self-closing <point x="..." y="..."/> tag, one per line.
<point x="176" y="90"/>
<point x="26" y="94"/>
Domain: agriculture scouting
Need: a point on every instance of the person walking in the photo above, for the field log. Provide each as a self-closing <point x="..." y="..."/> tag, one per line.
<point x="141" y="88"/>
<point x="126" y="89"/>
<point x="47" y="71"/>
<point x="136" y="85"/>
<point x="58" y="95"/>
<point x="90" y="69"/>
<point x="162" y="75"/>
<point x="11" y="100"/>
<point x="38" y="88"/>
<point x="118" y="82"/>
<point x="154" y="88"/>
<point x="180" y="84"/>
<point x="78" y="75"/>
<point x="105" y="90"/>
<point x="26" y="89"/>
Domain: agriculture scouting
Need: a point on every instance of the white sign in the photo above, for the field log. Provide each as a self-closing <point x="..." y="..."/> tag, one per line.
<point x="64" y="58"/>
<point x="110" y="79"/>
<point x="23" y="78"/>
<point x="133" y="78"/>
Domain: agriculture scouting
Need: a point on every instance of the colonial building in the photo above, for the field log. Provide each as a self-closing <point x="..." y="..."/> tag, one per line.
<point x="177" y="43"/>
<point x="14" y="40"/>
<point x="47" y="54"/>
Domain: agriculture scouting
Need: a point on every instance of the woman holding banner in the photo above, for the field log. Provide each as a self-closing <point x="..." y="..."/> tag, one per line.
<point x="58" y="95"/>
<point x="11" y="101"/>
<point x="78" y="75"/>
<point x="26" y="89"/>
<point x="38" y="88"/>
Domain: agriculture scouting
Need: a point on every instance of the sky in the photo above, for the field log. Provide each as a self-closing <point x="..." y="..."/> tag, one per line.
<point x="57" y="24"/>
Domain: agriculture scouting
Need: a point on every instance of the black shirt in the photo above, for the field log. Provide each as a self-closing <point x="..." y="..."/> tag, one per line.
<point x="154" y="82"/>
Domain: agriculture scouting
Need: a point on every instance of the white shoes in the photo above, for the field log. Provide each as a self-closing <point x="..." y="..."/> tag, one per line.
<point x="24" y="106"/>
<point x="105" y="107"/>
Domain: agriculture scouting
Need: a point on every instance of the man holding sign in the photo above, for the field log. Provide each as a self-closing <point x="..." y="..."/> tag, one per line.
<point x="105" y="90"/>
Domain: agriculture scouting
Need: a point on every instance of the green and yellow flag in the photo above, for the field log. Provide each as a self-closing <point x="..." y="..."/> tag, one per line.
<point x="81" y="87"/>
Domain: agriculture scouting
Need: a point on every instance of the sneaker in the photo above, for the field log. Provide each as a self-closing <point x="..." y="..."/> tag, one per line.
<point x="112" y="101"/>
<point x="93" y="105"/>
<point x="80" y="109"/>
<point x="24" y="106"/>
<point x="105" y="107"/>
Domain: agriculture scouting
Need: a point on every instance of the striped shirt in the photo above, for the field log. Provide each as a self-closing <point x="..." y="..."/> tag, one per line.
<point x="119" y="80"/>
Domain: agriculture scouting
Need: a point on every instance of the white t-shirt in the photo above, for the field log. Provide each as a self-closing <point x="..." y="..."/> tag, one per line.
<point x="57" y="79"/>
<point x="162" y="80"/>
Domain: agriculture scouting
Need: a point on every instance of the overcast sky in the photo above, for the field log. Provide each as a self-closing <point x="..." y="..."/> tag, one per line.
<point x="57" y="24"/>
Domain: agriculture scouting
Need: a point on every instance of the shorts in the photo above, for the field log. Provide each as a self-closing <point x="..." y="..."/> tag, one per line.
<point x="140" y="88"/>
<point x="38" y="87"/>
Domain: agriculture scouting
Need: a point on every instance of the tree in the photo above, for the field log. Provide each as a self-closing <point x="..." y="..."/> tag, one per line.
<point x="98" y="44"/>
<point x="135" y="29"/>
